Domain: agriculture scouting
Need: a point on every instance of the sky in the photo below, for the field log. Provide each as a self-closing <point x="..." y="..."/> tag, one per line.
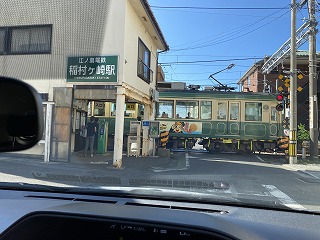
<point x="204" y="40"/>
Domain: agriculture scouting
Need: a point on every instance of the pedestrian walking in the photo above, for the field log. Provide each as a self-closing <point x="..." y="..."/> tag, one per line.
<point x="91" y="130"/>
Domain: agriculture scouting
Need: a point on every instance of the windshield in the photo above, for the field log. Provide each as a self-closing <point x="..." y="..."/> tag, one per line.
<point x="210" y="101"/>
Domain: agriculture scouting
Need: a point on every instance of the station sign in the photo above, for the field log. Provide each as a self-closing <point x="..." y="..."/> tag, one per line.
<point x="92" y="69"/>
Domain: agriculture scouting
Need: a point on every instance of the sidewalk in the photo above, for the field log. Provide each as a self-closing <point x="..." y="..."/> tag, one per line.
<point x="311" y="170"/>
<point x="102" y="161"/>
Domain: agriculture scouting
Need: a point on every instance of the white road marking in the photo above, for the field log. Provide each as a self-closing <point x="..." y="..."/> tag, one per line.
<point x="308" y="173"/>
<point x="187" y="161"/>
<point x="259" y="158"/>
<point x="283" y="198"/>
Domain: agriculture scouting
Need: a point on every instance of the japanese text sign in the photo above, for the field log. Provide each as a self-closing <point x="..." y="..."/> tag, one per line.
<point x="92" y="69"/>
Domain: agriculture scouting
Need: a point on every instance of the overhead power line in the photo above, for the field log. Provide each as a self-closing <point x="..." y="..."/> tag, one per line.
<point x="208" y="61"/>
<point x="227" y="38"/>
<point x="220" y="8"/>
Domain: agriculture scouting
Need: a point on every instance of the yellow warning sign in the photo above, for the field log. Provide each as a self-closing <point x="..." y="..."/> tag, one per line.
<point x="280" y="88"/>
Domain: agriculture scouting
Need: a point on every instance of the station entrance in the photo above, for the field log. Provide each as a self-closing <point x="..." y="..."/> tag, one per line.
<point x="105" y="115"/>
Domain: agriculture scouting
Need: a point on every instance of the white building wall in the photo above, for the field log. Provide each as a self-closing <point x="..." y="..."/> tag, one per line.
<point x="79" y="28"/>
<point x="134" y="29"/>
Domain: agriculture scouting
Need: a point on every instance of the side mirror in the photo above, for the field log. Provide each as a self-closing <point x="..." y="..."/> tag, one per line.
<point x="21" y="115"/>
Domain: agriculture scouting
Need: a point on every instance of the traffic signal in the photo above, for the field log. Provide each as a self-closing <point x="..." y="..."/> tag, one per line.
<point x="279" y="107"/>
<point x="280" y="97"/>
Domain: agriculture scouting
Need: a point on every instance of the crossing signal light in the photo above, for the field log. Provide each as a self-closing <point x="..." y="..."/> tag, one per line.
<point x="280" y="97"/>
<point x="279" y="107"/>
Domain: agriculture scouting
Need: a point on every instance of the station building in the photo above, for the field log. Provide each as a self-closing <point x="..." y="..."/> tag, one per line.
<point x="85" y="58"/>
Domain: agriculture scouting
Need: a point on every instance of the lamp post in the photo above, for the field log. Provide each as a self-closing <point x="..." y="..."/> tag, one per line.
<point x="222" y="86"/>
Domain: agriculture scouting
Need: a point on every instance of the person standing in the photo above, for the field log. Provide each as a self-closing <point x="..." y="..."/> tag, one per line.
<point x="91" y="131"/>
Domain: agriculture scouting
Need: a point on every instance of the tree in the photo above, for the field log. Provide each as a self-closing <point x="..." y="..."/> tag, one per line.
<point x="303" y="133"/>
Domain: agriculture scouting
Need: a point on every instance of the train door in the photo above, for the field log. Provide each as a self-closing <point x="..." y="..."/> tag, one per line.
<point x="234" y="118"/>
<point x="222" y="118"/>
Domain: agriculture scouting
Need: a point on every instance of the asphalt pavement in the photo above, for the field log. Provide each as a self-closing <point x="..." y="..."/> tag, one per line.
<point x="82" y="170"/>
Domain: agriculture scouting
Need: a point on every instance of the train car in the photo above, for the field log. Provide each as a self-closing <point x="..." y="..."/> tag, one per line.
<point x="220" y="121"/>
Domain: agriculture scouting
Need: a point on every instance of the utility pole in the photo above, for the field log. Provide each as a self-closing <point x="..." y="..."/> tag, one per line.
<point x="293" y="88"/>
<point x="313" y="88"/>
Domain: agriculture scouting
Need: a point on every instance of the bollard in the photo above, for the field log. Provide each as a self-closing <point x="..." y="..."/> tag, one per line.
<point x="305" y="145"/>
<point x="304" y="150"/>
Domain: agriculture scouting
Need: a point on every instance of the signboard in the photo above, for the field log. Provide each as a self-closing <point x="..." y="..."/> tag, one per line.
<point x="135" y="127"/>
<point x="99" y="105"/>
<point x="130" y="107"/>
<point x="92" y="69"/>
<point x="145" y="123"/>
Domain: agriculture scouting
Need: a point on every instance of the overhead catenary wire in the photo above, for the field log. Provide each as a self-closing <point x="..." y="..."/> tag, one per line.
<point x="208" y="61"/>
<point x="225" y="36"/>
<point x="219" y="8"/>
<point x="231" y="32"/>
<point x="228" y="37"/>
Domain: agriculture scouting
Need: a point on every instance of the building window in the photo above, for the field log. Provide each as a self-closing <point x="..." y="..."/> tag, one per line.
<point x="26" y="39"/>
<point x="144" y="71"/>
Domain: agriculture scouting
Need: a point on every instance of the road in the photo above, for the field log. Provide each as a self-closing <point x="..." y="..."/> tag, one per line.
<point x="258" y="179"/>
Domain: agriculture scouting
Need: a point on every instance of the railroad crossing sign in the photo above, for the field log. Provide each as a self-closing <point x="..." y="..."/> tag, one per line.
<point x="286" y="81"/>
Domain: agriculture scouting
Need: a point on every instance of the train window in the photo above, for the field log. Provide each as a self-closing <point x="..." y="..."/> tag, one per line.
<point x="273" y="114"/>
<point x="113" y="109"/>
<point x="187" y="109"/>
<point x="206" y="110"/>
<point x="165" y="109"/>
<point x="234" y="111"/>
<point x="222" y="111"/>
<point x="253" y="111"/>
<point x="127" y="112"/>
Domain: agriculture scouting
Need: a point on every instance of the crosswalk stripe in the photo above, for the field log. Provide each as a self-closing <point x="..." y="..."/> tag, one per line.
<point x="283" y="198"/>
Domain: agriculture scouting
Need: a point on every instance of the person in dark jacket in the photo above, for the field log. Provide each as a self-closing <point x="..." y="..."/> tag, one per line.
<point x="91" y="131"/>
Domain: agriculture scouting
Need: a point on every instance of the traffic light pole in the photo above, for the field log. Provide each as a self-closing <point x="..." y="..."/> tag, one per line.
<point x="293" y="88"/>
<point x="313" y="88"/>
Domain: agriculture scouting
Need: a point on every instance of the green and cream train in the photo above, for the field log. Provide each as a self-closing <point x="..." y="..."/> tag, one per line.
<point x="220" y="121"/>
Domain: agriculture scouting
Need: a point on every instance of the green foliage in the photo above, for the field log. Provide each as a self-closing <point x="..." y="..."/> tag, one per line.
<point x="303" y="133"/>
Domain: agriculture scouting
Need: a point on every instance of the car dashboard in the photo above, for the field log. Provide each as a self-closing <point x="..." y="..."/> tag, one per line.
<point x="43" y="215"/>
